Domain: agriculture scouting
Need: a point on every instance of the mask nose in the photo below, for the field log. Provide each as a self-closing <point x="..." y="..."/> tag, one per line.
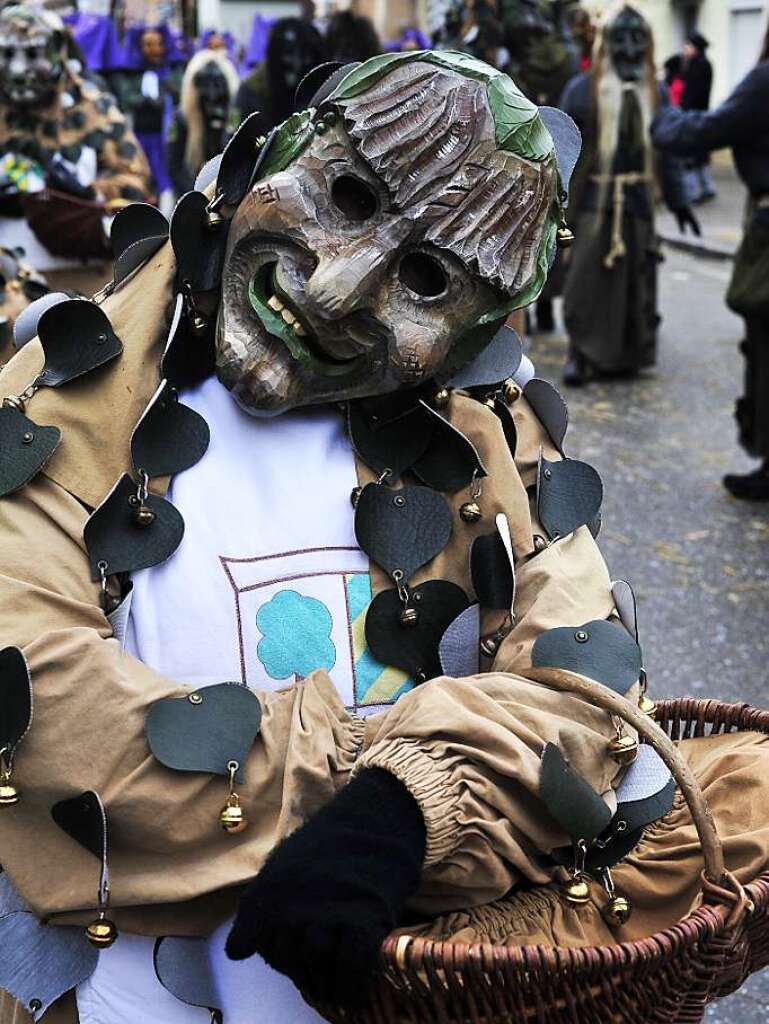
<point x="341" y="284"/>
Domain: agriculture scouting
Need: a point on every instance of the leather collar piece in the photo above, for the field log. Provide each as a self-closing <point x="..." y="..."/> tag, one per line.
<point x="497" y="362"/>
<point x="77" y="337"/>
<point x="599" y="650"/>
<point x="170" y="437"/>
<point x="569" y="495"/>
<point x="205" y="730"/>
<point x="199" y="249"/>
<point x="24" y="449"/>
<point x="15" y="699"/>
<point x="570" y="801"/>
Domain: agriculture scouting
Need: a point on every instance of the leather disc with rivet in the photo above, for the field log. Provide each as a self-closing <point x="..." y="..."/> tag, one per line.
<point x="498" y="361"/>
<point x="205" y="730"/>
<point x="395" y="444"/>
<point x="76" y="337"/>
<point x="402" y="529"/>
<point x="600" y="650"/>
<point x="459" y="647"/>
<point x="199" y="251"/>
<point x="84" y="819"/>
<point x="450" y="461"/>
<point x="550" y="409"/>
<point x="112" y="536"/>
<point x="24" y="449"/>
<point x="570" y="800"/>
<point x="170" y="437"/>
<point x="569" y="495"/>
<point x="25" y="327"/>
<point x="15" y="697"/>
<point x="188" y="358"/>
<point x="416" y="649"/>
<point x="133" y="224"/>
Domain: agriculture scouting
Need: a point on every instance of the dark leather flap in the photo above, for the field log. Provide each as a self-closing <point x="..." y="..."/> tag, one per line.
<point x="579" y="810"/>
<point x="600" y="650"/>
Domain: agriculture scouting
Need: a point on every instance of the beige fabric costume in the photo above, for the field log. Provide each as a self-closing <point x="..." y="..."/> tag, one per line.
<point x="468" y="749"/>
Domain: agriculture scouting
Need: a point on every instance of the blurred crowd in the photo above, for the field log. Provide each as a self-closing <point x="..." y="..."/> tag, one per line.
<point x="105" y="121"/>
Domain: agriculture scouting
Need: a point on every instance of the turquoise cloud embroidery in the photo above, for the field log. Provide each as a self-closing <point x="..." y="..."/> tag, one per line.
<point x="296" y="635"/>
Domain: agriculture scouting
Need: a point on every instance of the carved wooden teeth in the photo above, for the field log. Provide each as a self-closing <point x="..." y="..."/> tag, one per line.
<point x="275" y="303"/>
<point x="288" y="317"/>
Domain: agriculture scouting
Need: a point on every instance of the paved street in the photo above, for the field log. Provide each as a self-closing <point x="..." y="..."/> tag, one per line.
<point x="698" y="559"/>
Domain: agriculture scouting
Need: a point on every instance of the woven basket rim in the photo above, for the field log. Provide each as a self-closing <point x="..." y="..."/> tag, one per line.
<point x="704" y="922"/>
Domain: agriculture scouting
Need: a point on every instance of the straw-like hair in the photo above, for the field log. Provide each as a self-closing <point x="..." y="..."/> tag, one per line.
<point x="194" y="153"/>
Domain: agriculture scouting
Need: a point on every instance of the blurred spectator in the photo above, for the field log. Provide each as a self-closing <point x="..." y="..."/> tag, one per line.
<point x="199" y="129"/>
<point x="741" y="122"/>
<point x="351" y="37"/>
<point x="409" y="39"/>
<point x="697" y="74"/>
<point x="294" y="48"/>
<point x="674" y="79"/>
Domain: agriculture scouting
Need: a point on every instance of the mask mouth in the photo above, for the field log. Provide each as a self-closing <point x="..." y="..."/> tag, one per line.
<point x="283" y="321"/>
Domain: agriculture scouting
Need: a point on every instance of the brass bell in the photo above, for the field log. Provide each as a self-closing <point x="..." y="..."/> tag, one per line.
<point x="9" y="795"/>
<point x="647" y="706"/>
<point x="143" y="516"/>
<point x="13" y="402"/>
<point x="233" y="817"/>
<point x="441" y="397"/>
<point x="624" y="750"/>
<point x="510" y="391"/>
<point x="199" y="324"/>
<point x="214" y="220"/>
<point x="564" y="237"/>
<point x="576" y="891"/>
<point x="617" y="911"/>
<point x="101" y="933"/>
<point x="489" y="646"/>
<point x="470" y="512"/>
<point x="409" y="617"/>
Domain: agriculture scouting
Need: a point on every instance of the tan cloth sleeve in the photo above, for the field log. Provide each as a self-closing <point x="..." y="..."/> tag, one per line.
<point x="90" y="702"/>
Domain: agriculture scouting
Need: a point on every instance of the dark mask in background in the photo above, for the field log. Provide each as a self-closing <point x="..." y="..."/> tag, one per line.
<point x="627" y="41"/>
<point x="294" y="49"/>
<point x="213" y="96"/>
<point x="32" y="54"/>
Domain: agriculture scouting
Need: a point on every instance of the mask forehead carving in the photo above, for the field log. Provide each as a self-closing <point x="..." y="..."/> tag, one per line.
<point x="402" y="229"/>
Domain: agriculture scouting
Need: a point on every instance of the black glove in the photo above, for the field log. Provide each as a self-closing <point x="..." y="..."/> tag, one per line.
<point x="685" y="216"/>
<point x="332" y="891"/>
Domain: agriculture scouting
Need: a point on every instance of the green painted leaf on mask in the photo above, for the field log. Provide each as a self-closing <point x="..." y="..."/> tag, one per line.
<point x="519" y="128"/>
<point x="290" y="139"/>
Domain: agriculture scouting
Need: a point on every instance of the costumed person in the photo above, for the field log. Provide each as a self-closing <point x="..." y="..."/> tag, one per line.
<point x="742" y="123"/>
<point x="697" y="75"/>
<point x="615" y="255"/>
<point x="20" y="284"/>
<point x="294" y="48"/>
<point x="304" y="628"/>
<point x="67" y="157"/>
<point x="148" y="90"/>
<point x="350" y="36"/>
<point x="201" y="127"/>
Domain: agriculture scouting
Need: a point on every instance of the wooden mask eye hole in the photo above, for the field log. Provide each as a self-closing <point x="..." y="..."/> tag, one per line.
<point x="355" y="198"/>
<point x="423" y="275"/>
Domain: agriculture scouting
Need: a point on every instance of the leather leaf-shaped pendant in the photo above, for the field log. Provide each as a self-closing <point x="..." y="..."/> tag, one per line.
<point x="459" y="647"/>
<point x="188" y="358"/>
<point x="492" y="568"/>
<point x="112" y="535"/>
<point x="15" y="698"/>
<point x="199" y="250"/>
<point x="570" y="800"/>
<point x="183" y="968"/>
<point x="84" y="819"/>
<point x="77" y="337"/>
<point x="498" y="361"/>
<point x="205" y="730"/>
<point x="394" y="445"/>
<point x="137" y="232"/>
<point x="401" y="530"/>
<point x="550" y="409"/>
<point x="569" y="495"/>
<point x="239" y="161"/>
<point x="414" y="648"/>
<point x="600" y="650"/>
<point x="24" y="449"/>
<point x="450" y="462"/>
<point x="170" y="437"/>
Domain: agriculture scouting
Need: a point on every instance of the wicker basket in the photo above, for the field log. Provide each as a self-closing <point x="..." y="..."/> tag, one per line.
<point x="667" y="978"/>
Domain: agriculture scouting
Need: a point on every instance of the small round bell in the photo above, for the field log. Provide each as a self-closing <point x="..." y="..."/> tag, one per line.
<point x="13" y="402"/>
<point x="101" y="933"/>
<point x="9" y="795"/>
<point x="624" y="750"/>
<point x="617" y="911"/>
<point x="564" y="237"/>
<point x="510" y="391"/>
<point x="647" y="706"/>
<point x="199" y="324"/>
<point x="409" y="617"/>
<point x="489" y="646"/>
<point x="576" y="891"/>
<point x="470" y="512"/>
<point x="143" y="516"/>
<point x="441" y="397"/>
<point x="214" y="220"/>
<point x="233" y="818"/>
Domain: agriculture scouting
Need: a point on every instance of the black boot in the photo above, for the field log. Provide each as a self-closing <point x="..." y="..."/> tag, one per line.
<point x="576" y="370"/>
<point x="750" y="486"/>
<point x="545" y="318"/>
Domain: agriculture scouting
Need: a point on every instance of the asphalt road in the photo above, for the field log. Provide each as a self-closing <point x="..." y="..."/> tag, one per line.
<point x="697" y="558"/>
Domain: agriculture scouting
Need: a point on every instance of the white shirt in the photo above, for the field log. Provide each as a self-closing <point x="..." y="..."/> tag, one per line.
<point x="267" y="585"/>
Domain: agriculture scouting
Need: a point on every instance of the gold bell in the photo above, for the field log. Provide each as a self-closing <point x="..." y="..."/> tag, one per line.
<point x="510" y="391"/>
<point x="624" y="749"/>
<point x="409" y="617"/>
<point x="199" y="324"/>
<point x="9" y="795"/>
<point x="101" y="933"/>
<point x="647" y="706"/>
<point x="13" y="402"/>
<point x="564" y="237"/>
<point x="214" y="220"/>
<point x="441" y="397"/>
<point x="233" y="817"/>
<point x="489" y="646"/>
<point x="617" y="911"/>
<point x="470" y="512"/>
<point x="576" y="891"/>
<point x="143" y="516"/>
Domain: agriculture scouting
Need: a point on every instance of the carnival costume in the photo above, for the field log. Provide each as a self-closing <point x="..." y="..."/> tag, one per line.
<point x="301" y="595"/>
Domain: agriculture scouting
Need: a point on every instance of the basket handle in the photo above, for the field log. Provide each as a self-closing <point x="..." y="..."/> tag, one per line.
<point x="718" y="884"/>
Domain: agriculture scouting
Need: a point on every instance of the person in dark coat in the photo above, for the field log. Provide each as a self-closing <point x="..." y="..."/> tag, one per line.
<point x="697" y="74"/>
<point x="294" y="48"/>
<point x="610" y="297"/>
<point x="742" y="123"/>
